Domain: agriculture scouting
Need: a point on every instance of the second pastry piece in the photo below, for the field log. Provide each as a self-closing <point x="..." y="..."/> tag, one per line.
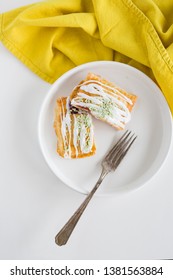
<point x="74" y="130"/>
<point x="104" y="100"/>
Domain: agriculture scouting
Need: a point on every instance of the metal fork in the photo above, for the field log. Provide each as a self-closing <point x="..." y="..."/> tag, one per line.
<point x="109" y="163"/>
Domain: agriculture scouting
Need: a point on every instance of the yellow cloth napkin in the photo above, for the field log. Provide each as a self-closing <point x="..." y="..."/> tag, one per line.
<point x="53" y="36"/>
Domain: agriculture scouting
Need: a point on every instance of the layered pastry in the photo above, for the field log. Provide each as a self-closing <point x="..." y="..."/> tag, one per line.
<point x="104" y="100"/>
<point x="74" y="130"/>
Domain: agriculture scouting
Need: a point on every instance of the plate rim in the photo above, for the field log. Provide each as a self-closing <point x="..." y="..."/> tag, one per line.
<point x="51" y="92"/>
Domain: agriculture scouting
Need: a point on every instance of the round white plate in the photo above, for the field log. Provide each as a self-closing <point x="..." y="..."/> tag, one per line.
<point x="151" y="121"/>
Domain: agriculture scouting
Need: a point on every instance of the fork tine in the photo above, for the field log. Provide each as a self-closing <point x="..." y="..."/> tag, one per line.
<point x="120" y="154"/>
<point x="118" y="144"/>
<point x="124" y="143"/>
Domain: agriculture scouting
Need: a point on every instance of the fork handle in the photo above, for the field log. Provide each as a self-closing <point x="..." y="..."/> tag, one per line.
<point x="62" y="237"/>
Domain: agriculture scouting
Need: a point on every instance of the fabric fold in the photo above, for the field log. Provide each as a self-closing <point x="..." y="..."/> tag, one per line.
<point x="51" y="37"/>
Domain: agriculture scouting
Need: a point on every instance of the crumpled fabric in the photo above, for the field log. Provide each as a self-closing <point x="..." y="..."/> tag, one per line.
<point x="51" y="37"/>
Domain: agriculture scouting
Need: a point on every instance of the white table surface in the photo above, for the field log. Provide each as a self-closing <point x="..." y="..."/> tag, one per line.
<point x="35" y="204"/>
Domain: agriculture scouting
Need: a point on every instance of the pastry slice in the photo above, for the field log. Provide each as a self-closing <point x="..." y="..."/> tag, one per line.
<point x="74" y="130"/>
<point x="104" y="100"/>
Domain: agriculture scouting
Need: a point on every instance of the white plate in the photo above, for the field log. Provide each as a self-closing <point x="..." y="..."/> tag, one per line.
<point x="151" y="121"/>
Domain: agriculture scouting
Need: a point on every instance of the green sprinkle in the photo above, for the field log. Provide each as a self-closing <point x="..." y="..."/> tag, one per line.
<point x="105" y="109"/>
<point x="83" y="119"/>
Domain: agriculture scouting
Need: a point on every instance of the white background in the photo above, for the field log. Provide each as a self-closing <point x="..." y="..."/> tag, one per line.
<point x="34" y="204"/>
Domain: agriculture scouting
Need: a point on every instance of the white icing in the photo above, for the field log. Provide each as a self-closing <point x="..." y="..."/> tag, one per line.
<point x="79" y="134"/>
<point x="76" y="101"/>
<point x="91" y="137"/>
<point x="82" y="137"/>
<point x="110" y="107"/>
<point x="66" y="124"/>
<point x="75" y="135"/>
<point x="91" y="98"/>
<point x="108" y="88"/>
